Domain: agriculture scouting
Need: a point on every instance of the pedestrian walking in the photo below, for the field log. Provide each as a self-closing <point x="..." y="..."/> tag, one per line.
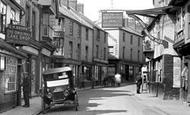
<point x="139" y="82"/>
<point x="118" y="79"/>
<point x="26" y="89"/>
<point x="184" y="77"/>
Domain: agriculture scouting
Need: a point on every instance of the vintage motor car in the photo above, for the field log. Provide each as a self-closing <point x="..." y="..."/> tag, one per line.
<point x="58" y="88"/>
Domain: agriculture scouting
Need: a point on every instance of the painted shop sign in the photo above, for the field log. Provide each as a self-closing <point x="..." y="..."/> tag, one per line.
<point x="18" y="34"/>
<point x="112" y="19"/>
<point x="58" y="34"/>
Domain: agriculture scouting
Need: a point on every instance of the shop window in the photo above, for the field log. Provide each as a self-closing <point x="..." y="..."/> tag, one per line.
<point x="10" y="74"/>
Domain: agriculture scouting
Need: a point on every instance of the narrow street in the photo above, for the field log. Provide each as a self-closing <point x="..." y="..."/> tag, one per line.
<point x="116" y="101"/>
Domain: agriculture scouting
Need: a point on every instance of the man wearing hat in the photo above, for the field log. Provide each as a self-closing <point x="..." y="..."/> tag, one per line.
<point x="26" y="89"/>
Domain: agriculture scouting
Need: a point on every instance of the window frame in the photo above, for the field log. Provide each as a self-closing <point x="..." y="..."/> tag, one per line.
<point x="8" y="73"/>
<point x="131" y="39"/>
<point x="123" y="52"/>
<point x="123" y="36"/>
<point x="70" y="49"/>
<point x="3" y="17"/>
<point x="71" y="27"/>
<point x="87" y="33"/>
<point x="86" y="52"/>
<point x="27" y="15"/>
<point x="131" y="53"/>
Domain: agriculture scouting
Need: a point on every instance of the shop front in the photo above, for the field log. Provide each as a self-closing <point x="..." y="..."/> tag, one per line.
<point x="101" y="71"/>
<point x="86" y="75"/>
<point x="183" y="51"/>
<point x="20" y="37"/>
<point x="10" y="76"/>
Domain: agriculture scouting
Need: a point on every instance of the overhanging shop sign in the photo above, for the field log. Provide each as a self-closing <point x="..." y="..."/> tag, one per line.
<point x="112" y="19"/>
<point x="18" y="34"/>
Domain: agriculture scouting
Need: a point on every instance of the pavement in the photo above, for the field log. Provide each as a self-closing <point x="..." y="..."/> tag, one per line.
<point x="34" y="109"/>
<point x="164" y="107"/>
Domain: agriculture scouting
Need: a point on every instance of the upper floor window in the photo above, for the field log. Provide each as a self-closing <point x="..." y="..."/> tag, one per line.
<point x="105" y="53"/>
<point x="61" y="23"/>
<point x="33" y="24"/>
<point x="105" y="37"/>
<point x="13" y="16"/>
<point x="98" y="35"/>
<point x="70" y="49"/>
<point x="3" y="12"/>
<point x="131" y="39"/>
<point x="86" y="56"/>
<point x="111" y="49"/>
<point x="71" y="25"/>
<point x="139" y="41"/>
<point x="27" y="16"/>
<point x="123" y="36"/>
<point x="131" y="53"/>
<point x="97" y="51"/>
<point x="123" y="52"/>
<point x="188" y="10"/>
<point x="79" y="31"/>
<point x="78" y="51"/>
<point x="138" y="55"/>
<point x="86" y="33"/>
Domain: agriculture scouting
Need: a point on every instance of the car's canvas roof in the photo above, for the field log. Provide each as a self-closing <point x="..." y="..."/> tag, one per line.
<point x="56" y="70"/>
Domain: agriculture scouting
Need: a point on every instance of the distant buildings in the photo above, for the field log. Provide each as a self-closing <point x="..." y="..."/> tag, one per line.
<point x="125" y="44"/>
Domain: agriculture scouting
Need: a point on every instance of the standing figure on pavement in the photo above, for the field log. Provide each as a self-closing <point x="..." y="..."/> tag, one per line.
<point x="184" y="76"/>
<point x="26" y="89"/>
<point x="118" y="79"/>
<point x="139" y="82"/>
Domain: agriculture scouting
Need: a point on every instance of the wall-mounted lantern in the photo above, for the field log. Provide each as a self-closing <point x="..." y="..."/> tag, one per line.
<point x="2" y="63"/>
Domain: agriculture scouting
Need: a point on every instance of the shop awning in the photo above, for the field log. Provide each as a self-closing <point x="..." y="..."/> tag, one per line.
<point x="153" y="12"/>
<point x="10" y="48"/>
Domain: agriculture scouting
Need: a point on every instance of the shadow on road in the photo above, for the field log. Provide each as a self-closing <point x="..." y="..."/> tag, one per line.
<point x="91" y="99"/>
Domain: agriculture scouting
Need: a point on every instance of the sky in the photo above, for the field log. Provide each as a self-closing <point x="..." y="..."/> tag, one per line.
<point x="92" y="7"/>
